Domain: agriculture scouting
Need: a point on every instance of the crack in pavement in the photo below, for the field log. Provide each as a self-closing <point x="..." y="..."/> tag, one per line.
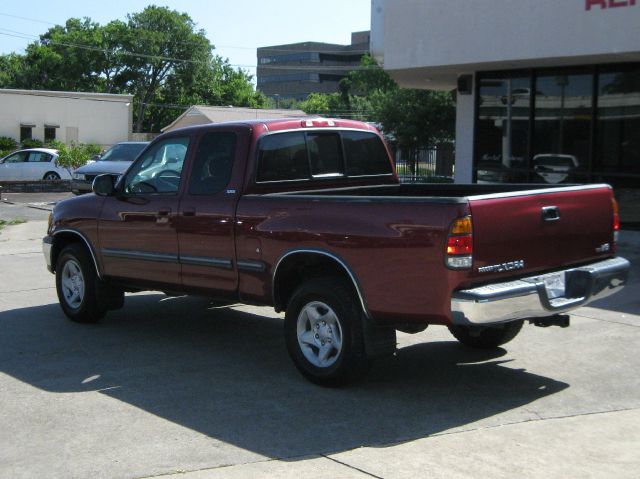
<point x="608" y="320"/>
<point x="449" y="433"/>
<point x="26" y="290"/>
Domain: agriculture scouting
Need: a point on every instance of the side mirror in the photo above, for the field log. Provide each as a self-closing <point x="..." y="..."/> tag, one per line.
<point x="103" y="185"/>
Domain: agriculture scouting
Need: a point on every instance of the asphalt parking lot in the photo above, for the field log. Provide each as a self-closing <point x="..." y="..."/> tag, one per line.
<point x="180" y="387"/>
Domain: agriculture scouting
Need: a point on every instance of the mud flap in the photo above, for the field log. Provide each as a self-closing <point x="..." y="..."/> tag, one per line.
<point x="379" y="341"/>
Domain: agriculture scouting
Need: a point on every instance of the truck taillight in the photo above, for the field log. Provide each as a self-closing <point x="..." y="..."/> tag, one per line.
<point x="616" y="220"/>
<point x="460" y="244"/>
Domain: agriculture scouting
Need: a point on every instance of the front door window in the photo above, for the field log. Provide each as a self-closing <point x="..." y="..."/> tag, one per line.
<point x="159" y="170"/>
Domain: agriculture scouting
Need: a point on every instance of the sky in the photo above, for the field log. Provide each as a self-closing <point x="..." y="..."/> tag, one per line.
<point x="236" y="28"/>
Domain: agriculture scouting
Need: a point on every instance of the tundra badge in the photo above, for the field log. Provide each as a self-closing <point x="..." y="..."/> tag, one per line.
<point x="499" y="268"/>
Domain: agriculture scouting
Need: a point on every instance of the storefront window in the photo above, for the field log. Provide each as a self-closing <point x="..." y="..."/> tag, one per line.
<point x="502" y="129"/>
<point x="563" y="111"/>
<point x="561" y="141"/>
<point x="618" y="126"/>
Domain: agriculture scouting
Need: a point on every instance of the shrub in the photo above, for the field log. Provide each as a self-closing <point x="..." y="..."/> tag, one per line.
<point x="7" y="144"/>
<point x="32" y="143"/>
<point x="75" y="155"/>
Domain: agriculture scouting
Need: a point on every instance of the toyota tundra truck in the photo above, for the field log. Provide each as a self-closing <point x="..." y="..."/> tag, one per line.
<point x="308" y="216"/>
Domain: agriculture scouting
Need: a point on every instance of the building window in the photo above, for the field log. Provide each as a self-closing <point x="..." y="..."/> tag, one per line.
<point x="617" y="150"/>
<point x="563" y="115"/>
<point x="49" y="133"/>
<point x="572" y="125"/>
<point x="503" y="128"/>
<point x="26" y="133"/>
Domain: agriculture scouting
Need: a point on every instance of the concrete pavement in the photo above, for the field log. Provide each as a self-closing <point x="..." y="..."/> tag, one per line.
<point x="179" y="387"/>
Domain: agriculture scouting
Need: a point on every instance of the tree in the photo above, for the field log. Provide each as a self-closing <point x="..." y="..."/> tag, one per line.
<point x="163" y="40"/>
<point x="74" y="156"/>
<point x="412" y="118"/>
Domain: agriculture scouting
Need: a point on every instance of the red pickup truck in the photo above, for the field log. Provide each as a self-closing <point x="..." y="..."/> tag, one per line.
<point x="308" y="216"/>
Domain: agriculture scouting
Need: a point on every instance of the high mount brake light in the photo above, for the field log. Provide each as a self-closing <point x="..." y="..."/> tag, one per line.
<point x="316" y="123"/>
<point x="459" y="254"/>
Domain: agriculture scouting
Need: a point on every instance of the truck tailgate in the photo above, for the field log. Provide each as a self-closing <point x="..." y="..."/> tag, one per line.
<point x="528" y="231"/>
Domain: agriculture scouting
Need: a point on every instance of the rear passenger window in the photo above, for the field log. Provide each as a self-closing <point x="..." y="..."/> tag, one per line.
<point x="366" y="154"/>
<point x="283" y="157"/>
<point x="213" y="163"/>
<point x="325" y="153"/>
<point x="305" y="155"/>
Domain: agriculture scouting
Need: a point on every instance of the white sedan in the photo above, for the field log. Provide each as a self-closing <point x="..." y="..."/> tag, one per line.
<point x="33" y="164"/>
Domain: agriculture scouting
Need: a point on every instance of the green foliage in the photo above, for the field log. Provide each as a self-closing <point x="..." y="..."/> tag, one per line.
<point x="32" y="143"/>
<point x="282" y="103"/>
<point x="158" y="55"/>
<point x="411" y="118"/>
<point x="74" y="156"/>
<point x="417" y="118"/>
<point x="7" y="143"/>
<point x="16" y="221"/>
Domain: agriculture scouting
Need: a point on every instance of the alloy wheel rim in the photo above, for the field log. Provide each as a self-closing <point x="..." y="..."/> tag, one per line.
<point x="319" y="334"/>
<point x="73" y="284"/>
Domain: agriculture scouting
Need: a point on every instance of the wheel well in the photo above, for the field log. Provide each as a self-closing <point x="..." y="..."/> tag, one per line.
<point x="50" y="172"/>
<point x="299" y="267"/>
<point x="64" y="239"/>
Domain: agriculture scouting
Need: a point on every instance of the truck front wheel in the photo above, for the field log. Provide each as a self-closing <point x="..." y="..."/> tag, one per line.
<point x="486" y="337"/>
<point x="323" y="333"/>
<point x="76" y="284"/>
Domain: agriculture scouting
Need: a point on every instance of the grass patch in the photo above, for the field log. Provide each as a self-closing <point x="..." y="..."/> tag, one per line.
<point x="16" y="221"/>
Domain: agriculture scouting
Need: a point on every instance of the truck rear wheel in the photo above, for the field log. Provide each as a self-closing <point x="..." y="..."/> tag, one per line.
<point x="77" y="284"/>
<point x="324" y="333"/>
<point x="485" y="337"/>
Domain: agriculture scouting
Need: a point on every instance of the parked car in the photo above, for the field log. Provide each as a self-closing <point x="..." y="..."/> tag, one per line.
<point x="554" y="167"/>
<point x="33" y="164"/>
<point x="308" y="216"/>
<point x="114" y="161"/>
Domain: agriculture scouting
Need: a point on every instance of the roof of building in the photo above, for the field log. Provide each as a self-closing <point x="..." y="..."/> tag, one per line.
<point x="68" y="94"/>
<point x="199" y="114"/>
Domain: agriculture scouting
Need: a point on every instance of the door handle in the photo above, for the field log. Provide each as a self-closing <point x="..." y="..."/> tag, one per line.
<point x="550" y="213"/>
<point x="162" y="216"/>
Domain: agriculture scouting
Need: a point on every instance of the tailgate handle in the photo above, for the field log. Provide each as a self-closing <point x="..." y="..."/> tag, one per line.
<point x="550" y="213"/>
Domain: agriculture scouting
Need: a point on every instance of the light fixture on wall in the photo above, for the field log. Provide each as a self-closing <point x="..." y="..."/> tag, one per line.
<point x="465" y="84"/>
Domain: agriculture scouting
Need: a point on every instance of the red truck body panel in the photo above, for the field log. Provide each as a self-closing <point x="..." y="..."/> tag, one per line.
<point x="512" y="228"/>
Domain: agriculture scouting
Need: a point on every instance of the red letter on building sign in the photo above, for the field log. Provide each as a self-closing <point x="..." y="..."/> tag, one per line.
<point x="621" y="3"/>
<point x="595" y="3"/>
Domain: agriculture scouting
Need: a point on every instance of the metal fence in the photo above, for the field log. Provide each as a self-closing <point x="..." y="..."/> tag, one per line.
<point x="431" y="164"/>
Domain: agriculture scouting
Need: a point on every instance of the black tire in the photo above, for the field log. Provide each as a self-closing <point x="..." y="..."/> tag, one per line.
<point x="51" y="176"/>
<point x="77" y="286"/>
<point x="338" y="318"/>
<point x="485" y="337"/>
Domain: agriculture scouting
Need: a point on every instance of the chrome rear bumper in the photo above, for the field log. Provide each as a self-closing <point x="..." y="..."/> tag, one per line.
<point x="539" y="296"/>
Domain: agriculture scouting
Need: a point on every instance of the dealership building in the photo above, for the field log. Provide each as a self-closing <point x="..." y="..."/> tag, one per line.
<point x="547" y="91"/>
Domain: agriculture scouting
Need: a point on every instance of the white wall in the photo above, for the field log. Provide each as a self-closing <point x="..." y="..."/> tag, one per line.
<point x="100" y="119"/>
<point x="435" y="39"/>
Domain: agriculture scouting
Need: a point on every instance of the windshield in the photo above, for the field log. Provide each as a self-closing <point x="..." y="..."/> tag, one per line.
<point x="123" y="152"/>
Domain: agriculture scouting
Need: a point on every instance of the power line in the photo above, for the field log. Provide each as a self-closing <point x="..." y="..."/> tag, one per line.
<point x="181" y="60"/>
<point x="235" y="47"/>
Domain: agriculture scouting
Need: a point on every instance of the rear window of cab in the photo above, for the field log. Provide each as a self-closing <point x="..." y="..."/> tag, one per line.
<point x="309" y="155"/>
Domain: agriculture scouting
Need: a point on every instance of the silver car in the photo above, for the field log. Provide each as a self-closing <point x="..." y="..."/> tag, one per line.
<point x="33" y="164"/>
<point x="114" y="161"/>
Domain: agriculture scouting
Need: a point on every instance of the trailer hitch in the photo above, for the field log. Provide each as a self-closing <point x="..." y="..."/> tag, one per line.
<point x="561" y="320"/>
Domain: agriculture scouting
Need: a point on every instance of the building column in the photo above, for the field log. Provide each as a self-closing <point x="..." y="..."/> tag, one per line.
<point x="464" y="137"/>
